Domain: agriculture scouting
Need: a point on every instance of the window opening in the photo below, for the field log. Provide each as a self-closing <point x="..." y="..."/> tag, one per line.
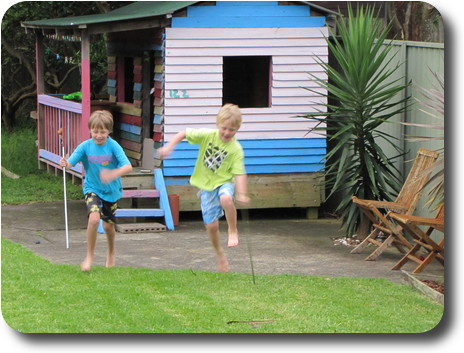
<point x="246" y="81"/>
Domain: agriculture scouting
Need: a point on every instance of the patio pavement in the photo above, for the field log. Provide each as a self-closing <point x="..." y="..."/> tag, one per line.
<point x="280" y="243"/>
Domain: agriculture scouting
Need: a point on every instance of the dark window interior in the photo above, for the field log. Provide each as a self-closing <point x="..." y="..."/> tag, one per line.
<point x="246" y="81"/>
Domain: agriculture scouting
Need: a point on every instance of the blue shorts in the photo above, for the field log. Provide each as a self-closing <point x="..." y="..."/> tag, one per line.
<point x="211" y="208"/>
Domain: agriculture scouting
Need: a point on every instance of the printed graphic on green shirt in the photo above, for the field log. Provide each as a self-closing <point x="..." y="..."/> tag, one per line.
<point x="214" y="157"/>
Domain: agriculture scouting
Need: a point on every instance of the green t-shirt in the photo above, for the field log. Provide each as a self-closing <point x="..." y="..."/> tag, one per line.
<point x="217" y="161"/>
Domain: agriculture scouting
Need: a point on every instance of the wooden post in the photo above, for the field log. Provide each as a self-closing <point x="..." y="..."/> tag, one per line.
<point x="85" y="84"/>
<point x="39" y="72"/>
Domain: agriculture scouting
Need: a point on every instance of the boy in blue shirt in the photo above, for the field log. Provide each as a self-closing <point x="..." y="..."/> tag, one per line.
<point x="104" y="163"/>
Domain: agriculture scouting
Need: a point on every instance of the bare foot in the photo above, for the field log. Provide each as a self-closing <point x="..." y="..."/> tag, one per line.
<point x="233" y="240"/>
<point x="223" y="264"/>
<point x="86" y="265"/>
<point x="110" y="260"/>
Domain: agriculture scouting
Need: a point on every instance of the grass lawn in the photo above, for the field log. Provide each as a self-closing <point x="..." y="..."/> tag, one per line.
<point x="19" y="155"/>
<point x="38" y="296"/>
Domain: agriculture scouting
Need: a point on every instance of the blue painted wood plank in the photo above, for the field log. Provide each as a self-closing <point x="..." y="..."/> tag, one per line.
<point x="111" y="83"/>
<point x="269" y="143"/>
<point x="247" y="22"/>
<point x="158" y="119"/>
<point x="163" y="198"/>
<point x="245" y="3"/>
<point x="262" y="169"/>
<point x="133" y="129"/>
<point x="55" y="159"/>
<point x="191" y="155"/>
<point x="139" y="212"/>
<point x="250" y="11"/>
<point x="261" y="156"/>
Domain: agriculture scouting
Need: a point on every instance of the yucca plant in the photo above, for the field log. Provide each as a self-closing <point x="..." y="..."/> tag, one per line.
<point x="361" y="95"/>
<point x="433" y="102"/>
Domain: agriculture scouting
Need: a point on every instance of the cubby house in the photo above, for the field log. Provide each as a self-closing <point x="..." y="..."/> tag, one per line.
<point x="173" y="64"/>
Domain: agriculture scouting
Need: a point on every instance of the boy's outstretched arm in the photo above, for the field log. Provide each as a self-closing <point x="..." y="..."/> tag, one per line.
<point x="166" y="150"/>
<point x="241" y="188"/>
<point x="108" y="175"/>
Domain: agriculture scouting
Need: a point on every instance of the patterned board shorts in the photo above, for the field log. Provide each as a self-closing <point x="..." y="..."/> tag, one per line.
<point x="211" y="208"/>
<point x="106" y="209"/>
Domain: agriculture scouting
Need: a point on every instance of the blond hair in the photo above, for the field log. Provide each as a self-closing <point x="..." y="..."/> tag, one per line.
<point x="101" y="119"/>
<point x="230" y="113"/>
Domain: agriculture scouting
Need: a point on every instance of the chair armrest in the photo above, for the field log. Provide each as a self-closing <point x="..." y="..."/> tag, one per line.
<point x="398" y="207"/>
<point x="436" y="223"/>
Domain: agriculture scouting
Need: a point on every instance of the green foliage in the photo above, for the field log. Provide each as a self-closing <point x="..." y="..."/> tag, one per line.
<point x="19" y="155"/>
<point x="61" y="57"/>
<point x="38" y="296"/>
<point x="361" y="95"/>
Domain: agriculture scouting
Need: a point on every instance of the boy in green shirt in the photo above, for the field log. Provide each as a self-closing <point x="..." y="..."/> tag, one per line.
<point x="219" y="164"/>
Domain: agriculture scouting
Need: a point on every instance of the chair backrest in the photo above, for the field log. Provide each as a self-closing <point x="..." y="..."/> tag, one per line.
<point x="417" y="178"/>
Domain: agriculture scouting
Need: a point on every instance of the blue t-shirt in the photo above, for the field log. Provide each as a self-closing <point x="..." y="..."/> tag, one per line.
<point x="95" y="157"/>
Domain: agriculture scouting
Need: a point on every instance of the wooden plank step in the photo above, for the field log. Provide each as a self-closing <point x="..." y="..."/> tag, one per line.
<point x="140" y="193"/>
<point x="140" y="228"/>
<point x="139" y="212"/>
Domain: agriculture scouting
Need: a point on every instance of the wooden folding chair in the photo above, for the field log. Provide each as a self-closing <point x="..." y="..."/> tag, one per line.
<point x="434" y="250"/>
<point x="405" y="203"/>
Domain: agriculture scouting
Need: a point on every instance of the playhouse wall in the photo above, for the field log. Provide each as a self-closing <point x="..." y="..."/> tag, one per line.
<point x="274" y="137"/>
<point x="281" y="157"/>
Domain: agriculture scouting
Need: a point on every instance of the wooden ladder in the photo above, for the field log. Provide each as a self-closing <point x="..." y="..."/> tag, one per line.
<point x="164" y="209"/>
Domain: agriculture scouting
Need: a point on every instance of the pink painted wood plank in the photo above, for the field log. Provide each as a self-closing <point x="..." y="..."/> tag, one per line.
<point x="148" y="193"/>
<point x="58" y="102"/>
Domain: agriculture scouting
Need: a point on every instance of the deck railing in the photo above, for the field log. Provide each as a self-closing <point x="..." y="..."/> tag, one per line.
<point x="56" y="114"/>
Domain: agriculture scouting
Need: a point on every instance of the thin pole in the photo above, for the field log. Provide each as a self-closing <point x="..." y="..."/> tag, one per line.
<point x="246" y="219"/>
<point x="65" y="203"/>
<point x="60" y="133"/>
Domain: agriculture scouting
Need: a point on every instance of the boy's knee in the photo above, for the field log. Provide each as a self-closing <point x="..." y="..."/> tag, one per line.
<point x="226" y="201"/>
<point x="94" y="218"/>
<point x="214" y="226"/>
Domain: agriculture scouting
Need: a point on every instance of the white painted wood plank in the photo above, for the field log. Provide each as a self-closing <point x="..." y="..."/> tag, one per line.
<point x="194" y="77"/>
<point x="290" y="125"/>
<point x="193" y="93"/>
<point x="212" y="110"/>
<point x="193" y="85"/>
<point x="245" y="42"/>
<point x="296" y="68"/>
<point x="246" y="119"/>
<point x="296" y="59"/>
<point x="188" y="69"/>
<point x="295" y="101"/>
<point x="224" y="33"/>
<point x="266" y="51"/>
<point x="178" y="60"/>
<point x="192" y="102"/>
<point x="294" y="84"/>
<point x="256" y="135"/>
<point x="296" y="91"/>
<point x="296" y="76"/>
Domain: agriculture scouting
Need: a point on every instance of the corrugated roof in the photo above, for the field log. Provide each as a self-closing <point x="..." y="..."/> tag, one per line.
<point x="137" y="10"/>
